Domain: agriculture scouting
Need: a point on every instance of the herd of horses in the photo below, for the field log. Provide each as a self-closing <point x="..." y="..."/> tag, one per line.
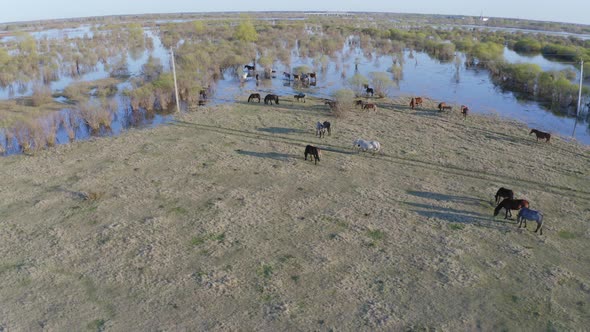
<point x="504" y="197"/>
<point x="508" y="203"/>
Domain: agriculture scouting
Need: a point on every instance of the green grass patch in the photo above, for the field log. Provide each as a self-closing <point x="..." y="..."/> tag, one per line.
<point x="96" y="325"/>
<point x="265" y="270"/>
<point x="456" y="227"/>
<point x="376" y="235"/>
<point x="198" y="240"/>
<point x="566" y="235"/>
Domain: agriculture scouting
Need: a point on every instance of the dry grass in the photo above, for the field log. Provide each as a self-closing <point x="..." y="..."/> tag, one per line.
<point x="216" y="222"/>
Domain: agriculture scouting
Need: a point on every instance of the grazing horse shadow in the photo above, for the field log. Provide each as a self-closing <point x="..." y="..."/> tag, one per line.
<point x="448" y="198"/>
<point x="280" y="130"/>
<point x="270" y="155"/>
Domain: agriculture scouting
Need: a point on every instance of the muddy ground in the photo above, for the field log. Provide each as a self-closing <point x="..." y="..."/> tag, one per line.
<point x="215" y="222"/>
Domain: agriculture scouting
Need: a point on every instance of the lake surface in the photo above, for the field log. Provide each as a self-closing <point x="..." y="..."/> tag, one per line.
<point x="422" y="76"/>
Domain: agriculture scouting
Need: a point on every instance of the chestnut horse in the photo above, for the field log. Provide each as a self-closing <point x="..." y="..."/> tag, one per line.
<point x="541" y="135"/>
<point x="415" y="102"/>
<point x="370" y="106"/>
<point x="510" y="204"/>
<point x="443" y="106"/>
<point x="254" y="96"/>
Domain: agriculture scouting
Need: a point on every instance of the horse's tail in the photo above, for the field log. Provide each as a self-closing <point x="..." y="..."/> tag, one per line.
<point x="540" y="222"/>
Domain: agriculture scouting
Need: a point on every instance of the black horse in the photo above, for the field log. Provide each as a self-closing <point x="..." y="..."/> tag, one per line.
<point x="270" y="98"/>
<point x="314" y="153"/>
<point x="504" y="193"/>
<point x="510" y="204"/>
<point x="327" y="125"/>
<point x="254" y="96"/>
<point x="541" y="135"/>
<point x="370" y="90"/>
<point x="300" y="96"/>
<point x="249" y="68"/>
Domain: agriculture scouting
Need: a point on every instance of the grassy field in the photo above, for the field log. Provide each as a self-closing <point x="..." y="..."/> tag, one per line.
<point x="215" y="222"/>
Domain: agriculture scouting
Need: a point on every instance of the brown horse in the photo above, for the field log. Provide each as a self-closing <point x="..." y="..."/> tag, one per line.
<point x="510" y="204"/>
<point x="359" y="102"/>
<point x="464" y="111"/>
<point x="541" y="135"/>
<point x="415" y="102"/>
<point x="443" y="106"/>
<point x="331" y="103"/>
<point x="312" y="76"/>
<point x="254" y="96"/>
<point x="370" y="106"/>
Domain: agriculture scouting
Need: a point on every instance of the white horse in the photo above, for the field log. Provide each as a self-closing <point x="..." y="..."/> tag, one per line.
<point x="365" y="145"/>
<point x="320" y="129"/>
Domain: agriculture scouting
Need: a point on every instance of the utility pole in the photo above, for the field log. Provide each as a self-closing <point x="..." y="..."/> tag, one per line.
<point x="175" y="85"/>
<point x="579" y="96"/>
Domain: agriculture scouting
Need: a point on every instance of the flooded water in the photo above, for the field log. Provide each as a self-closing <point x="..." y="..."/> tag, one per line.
<point x="422" y="76"/>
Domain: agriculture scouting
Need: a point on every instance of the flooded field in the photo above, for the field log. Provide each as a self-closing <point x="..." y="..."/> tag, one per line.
<point x="417" y="74"/>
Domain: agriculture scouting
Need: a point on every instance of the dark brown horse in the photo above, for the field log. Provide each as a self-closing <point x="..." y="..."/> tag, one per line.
<point x="504" y="193"/>
<point x="541" y="135"/>
<point x="370" y="106"/>
<point x="359" y="102"/>
<point x="270" y="98"/>
<point x="312" y="76"/>
<point x="415" y="102"/>
<point x="510" y="204"/>
<point x="464" y="111"/>
<point x="254" y="96"/>
<point x="300" y="96"/>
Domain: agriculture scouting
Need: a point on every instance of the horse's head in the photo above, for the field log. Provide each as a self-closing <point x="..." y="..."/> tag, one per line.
<point x="533" y="131"/>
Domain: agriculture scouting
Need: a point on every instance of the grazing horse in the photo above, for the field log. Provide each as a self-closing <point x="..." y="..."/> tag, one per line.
<point x="328" y="127"/>
<point x="527" y="214"/>
<point x="370" y="106"/>
<point x="300" y="96"/>
<point x="270" y="98"/>
<point x="296" y="77"/>
<point x="320" y="129"/>
<point x="504" y="193"/>
<point x="510" y="204"/>
<point x="370" y="90"/>
<point x="464" y="111"/>
<point x="541" y="135"/>
<point x="365" y="145"/>
<point x="254" y="96"/>
<point x="331" y="103"/>
<point x="359" y="102"/>
<point x="249" y="68"/>
<point x="314" y="153"/>
<point x="287" y="75"/>
<point x="443" y="106"/>
<point x="415" y="102"/>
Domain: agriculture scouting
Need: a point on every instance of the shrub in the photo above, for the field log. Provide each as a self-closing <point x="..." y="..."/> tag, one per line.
<point x="41" y="95"/>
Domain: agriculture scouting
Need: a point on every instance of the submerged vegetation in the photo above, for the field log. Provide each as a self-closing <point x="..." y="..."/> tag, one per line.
<point x="206" y="49"/>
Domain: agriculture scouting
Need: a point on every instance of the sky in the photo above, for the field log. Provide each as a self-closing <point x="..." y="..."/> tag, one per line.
<point x="572" y="11"/>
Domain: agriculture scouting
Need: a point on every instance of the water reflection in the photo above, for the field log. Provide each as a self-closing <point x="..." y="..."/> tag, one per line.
<point x="415" y="73"/>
